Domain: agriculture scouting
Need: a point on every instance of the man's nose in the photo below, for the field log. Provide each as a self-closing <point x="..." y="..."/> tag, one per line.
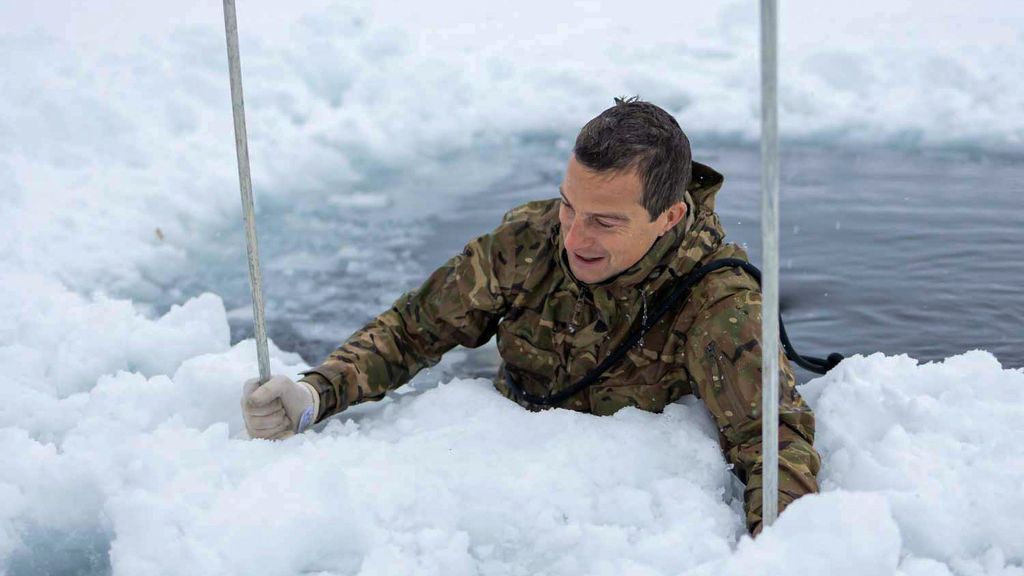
<point x="576" y="236"/>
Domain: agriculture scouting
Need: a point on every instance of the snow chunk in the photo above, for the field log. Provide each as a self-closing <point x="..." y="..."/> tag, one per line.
<point x="59" y="342"/>
<point x="66" y="356"/>
<point x="456" y="480"/>
<point x="940" y="441"/>
<point x="839" y="533"/>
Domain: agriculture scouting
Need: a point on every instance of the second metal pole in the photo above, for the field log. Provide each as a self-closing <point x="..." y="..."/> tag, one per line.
<point x="770" y="262"/>
<point x="245" y="182"/>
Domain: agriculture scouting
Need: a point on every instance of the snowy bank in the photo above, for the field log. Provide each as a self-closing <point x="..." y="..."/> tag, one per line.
<point x="141" y="452"/>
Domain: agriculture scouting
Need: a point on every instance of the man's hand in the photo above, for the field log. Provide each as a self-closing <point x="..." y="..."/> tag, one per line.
<point x="279" y="408"/>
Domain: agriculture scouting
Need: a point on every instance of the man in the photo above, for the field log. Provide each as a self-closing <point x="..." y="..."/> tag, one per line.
<point x="563" y="283"/>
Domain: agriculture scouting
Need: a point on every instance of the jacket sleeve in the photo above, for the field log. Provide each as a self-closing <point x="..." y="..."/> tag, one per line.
<point x="724" y="359"/>
<point x="460" y="303"/>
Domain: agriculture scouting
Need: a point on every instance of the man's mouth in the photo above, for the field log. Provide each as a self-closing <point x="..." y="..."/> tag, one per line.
<point x="585" y="260"/>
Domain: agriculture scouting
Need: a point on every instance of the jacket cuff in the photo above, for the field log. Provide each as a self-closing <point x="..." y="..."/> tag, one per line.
<point x="329" y="386"/>
<point x="315" y="393"/>
<point x="754" y="505"/>
<point x="792" y="485"/>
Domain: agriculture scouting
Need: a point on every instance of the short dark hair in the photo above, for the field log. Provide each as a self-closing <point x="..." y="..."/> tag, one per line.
<point x="634" y="134"/>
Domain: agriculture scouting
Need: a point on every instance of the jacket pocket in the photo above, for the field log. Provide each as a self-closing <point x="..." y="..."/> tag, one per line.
<point x="727" y="396"/>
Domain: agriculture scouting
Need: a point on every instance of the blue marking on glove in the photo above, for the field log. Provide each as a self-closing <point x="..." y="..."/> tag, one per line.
<point x="305" y="420"/>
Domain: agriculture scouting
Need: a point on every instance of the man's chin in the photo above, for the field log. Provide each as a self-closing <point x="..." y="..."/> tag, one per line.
<point x="592" y="276"/>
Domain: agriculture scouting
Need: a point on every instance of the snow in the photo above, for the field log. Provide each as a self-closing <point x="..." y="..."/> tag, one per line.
<point x="130" y="112"/>
<point x="120" y="434"/>
<point x="941" y="442"/>
<point x="142" y="450"/>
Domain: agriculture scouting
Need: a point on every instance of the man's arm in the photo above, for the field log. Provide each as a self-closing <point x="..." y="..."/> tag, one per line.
<point x="724" y="359"/>
<point x="460" y="303"/>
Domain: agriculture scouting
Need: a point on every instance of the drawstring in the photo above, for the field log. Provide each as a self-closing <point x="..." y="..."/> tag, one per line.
<point x="573" y="324"/>
<point x="643" y="319"/>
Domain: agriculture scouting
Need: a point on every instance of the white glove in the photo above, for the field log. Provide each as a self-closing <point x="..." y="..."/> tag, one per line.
<point x="279" y="408"/>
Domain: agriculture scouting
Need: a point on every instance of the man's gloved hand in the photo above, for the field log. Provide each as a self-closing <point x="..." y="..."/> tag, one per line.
<point x="279" y="408"/>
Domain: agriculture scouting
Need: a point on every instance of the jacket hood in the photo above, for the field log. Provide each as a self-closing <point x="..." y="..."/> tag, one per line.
<point x="705" y="182"/>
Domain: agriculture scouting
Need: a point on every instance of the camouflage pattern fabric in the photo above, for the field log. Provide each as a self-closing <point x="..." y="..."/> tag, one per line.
<point x="551" y="330"/>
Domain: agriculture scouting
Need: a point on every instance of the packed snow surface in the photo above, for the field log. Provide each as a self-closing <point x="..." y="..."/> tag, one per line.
<point x="121" y="441"/>
<point x="141" y="450"/>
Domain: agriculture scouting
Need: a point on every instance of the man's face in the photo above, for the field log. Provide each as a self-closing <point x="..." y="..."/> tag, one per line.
<point x="605" y="229"/>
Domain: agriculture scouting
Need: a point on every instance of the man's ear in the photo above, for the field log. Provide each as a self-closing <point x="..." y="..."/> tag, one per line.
<point x="675" y="215"/>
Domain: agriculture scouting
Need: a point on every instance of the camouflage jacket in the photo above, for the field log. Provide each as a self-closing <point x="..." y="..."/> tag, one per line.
<point x="551" y="330"/>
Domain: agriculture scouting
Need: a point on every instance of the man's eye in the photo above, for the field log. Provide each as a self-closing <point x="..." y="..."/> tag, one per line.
<point x="604" y="223"/>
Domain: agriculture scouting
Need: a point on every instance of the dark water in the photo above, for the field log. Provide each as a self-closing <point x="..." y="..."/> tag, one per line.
<point x="915" y="252"/>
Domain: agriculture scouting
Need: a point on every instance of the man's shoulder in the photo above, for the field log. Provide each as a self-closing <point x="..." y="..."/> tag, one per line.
<point x="540" y="214"/>
<point x="727" y="282"/>
<point x="529" y="227"/>
<point x="521" y="248"/>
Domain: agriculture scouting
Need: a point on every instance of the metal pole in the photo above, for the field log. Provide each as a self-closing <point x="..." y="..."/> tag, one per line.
<point x="770" y="259"/>
<point x="245" y="182"/>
